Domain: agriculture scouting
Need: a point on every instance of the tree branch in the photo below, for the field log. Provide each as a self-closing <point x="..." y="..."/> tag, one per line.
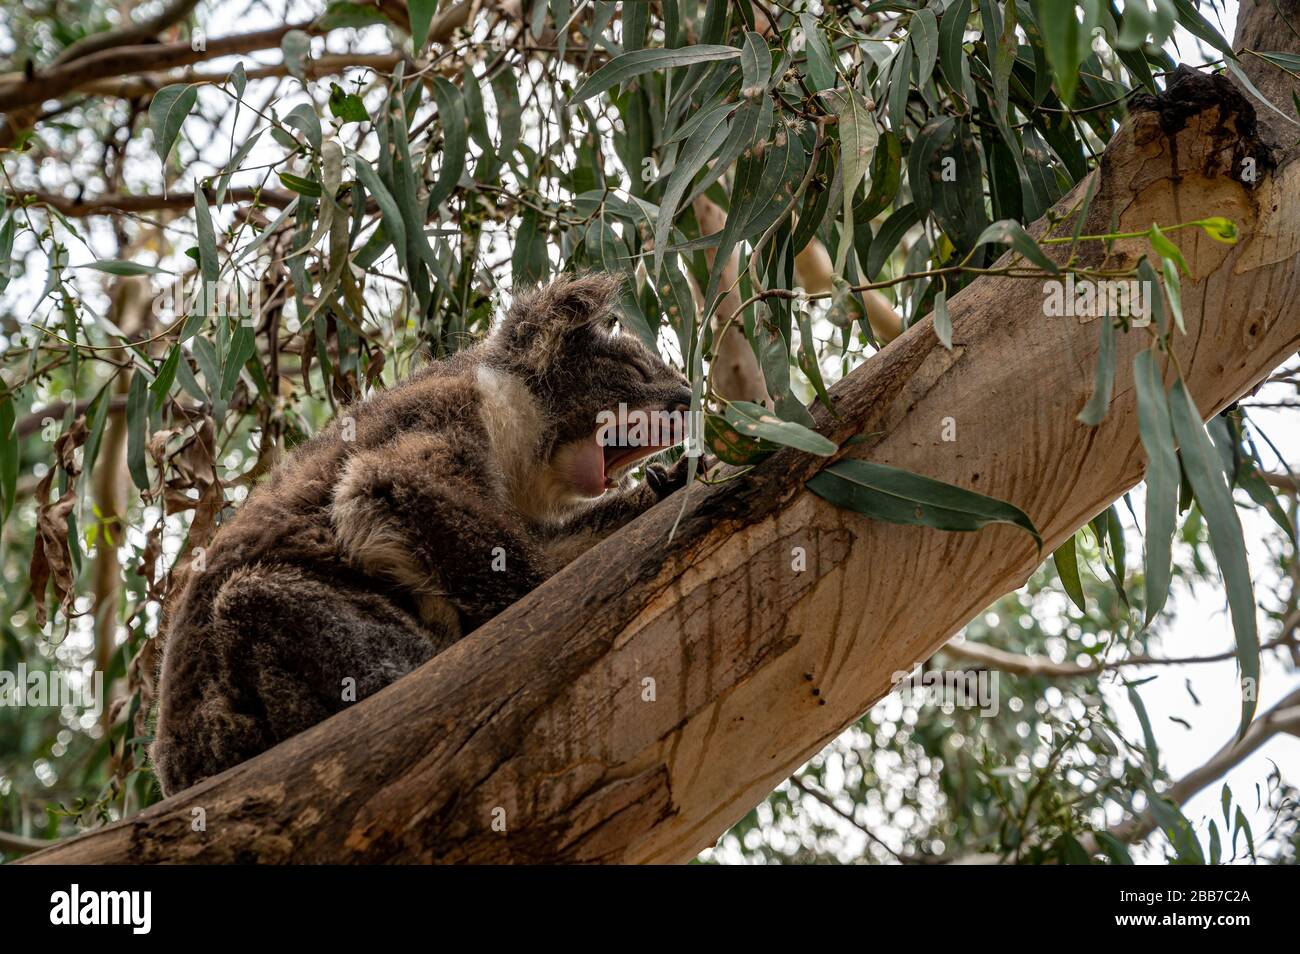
<point x="115" y="204"/>
<point x="169" y="15"/>
<point x="20" y="844"/>
<point x="1284" y="717"/>
<point x="16" y="91"/>
<point x="1019" y="664"/>
<point x="328" y="65"/>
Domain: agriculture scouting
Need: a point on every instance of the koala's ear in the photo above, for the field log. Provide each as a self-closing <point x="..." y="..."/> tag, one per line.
<point x="567" y="304"/>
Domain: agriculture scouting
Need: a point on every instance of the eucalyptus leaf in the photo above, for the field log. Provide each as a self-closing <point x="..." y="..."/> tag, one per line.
<point x="167" y="113"/>
<point x="636" y="62"/>
<point x="1210" y="485"/>
<point x="899" y="496"/>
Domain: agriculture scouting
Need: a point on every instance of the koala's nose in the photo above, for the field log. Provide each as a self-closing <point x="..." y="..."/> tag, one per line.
<point x="680" y="400"/>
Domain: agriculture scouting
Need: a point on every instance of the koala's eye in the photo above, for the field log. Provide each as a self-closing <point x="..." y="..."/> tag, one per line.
<point x="611" y="326"/>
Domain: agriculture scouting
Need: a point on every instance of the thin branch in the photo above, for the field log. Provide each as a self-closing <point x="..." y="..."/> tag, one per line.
<point x="1030" y="665"/>
<point x="169" y="15"/>
<point x="20" y="844"/>
<point x="829" y="802"/>
<point x="1287" y="483"/>
<point x="115" y="204"/>
<point x="1284" y="717"/>
<point x="146" y="85"/>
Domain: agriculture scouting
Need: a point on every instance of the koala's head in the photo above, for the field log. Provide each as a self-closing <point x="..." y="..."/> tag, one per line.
<point x="606" y="400"/>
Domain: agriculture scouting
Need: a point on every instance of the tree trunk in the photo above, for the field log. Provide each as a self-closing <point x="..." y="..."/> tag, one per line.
<point x="648" y="696"/>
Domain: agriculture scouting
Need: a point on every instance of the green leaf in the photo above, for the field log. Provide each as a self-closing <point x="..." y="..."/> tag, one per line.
<point x="888" y="237"/>
<point x="1241" y="824"/>
<point x="821" y="61"/>
<point x="1115" y="849"/>
<point x="1162" y="479"/>
<point x="858" y="138"/>
<point x="952" y="28"/>
<point x="900" y="85"/>
<point x="925" y="39"/>
<point x="1210" y="485"/>
<point x="455" y="139"/>
<point x="637" y="62"/>
<point x="10" y="449"/>
<point x="242" y="347"/>
<point x="1220" y="229"/>
<point x="342" y="13"/>
<point x="1067" y="568"/>
<point x="295" y="47"/>
<point x="304" y="119"/>
<point x="699" y="148"/>
<point x="1173" y="291"/>
<point x="886" y="174"/>
<point x="347" y="106"/>
<point x="1147" y="276"/>
<point x="118" y="267"/>
<point x="1011" y="233"/>
<point x="209" y="267"/>
<point x="1094" y="412"/>
<point x="1065" y="40"/>
<point x="162" y="384"/>
<point x="137" y="429"/>
<point x="1149" y="745"/>
<point x="1166" y="249"/>
<point x="942" y="321"/>
<point x="529" y="261"/>
<point x="7" y="265"/>
<point x="238" y="78"/>
<point x="1249" y="480"/>
<point x="422" y="12"/>
<point x="167" y="112"/>
<point x="729" y="445"/>
<point x="388" y="208"/>
<point x="899" y="496"/>
<point x="756" y="421"/>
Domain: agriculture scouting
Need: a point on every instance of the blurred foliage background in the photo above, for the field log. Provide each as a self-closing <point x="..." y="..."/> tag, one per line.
<point x="265" y="210"/>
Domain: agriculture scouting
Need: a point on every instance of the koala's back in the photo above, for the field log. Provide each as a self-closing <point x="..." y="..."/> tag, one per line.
<point x="282" y="627"/>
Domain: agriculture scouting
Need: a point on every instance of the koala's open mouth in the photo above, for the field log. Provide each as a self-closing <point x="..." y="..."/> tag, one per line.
<point x="622" y="438"/>
<point x="627" y="436"/>
<point x="618" y="460"/>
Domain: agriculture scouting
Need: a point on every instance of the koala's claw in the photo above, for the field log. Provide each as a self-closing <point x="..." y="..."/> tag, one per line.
<point x="665" y="480"/>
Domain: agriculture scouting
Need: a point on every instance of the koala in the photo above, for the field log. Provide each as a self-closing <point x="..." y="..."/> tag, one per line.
<point x="415" y="517"/>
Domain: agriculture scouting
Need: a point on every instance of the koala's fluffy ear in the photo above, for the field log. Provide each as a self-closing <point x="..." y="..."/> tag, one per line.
<point x="541" y="316"/>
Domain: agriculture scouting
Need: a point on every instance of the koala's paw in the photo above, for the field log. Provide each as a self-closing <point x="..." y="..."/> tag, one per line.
<point x="665" y="480"/>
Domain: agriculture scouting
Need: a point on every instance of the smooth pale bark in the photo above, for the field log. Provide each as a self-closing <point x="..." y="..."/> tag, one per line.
<point x="647" y="697"/>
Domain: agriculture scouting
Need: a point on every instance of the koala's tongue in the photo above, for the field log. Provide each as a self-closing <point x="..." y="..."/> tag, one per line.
<point x="589" y="467"/>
